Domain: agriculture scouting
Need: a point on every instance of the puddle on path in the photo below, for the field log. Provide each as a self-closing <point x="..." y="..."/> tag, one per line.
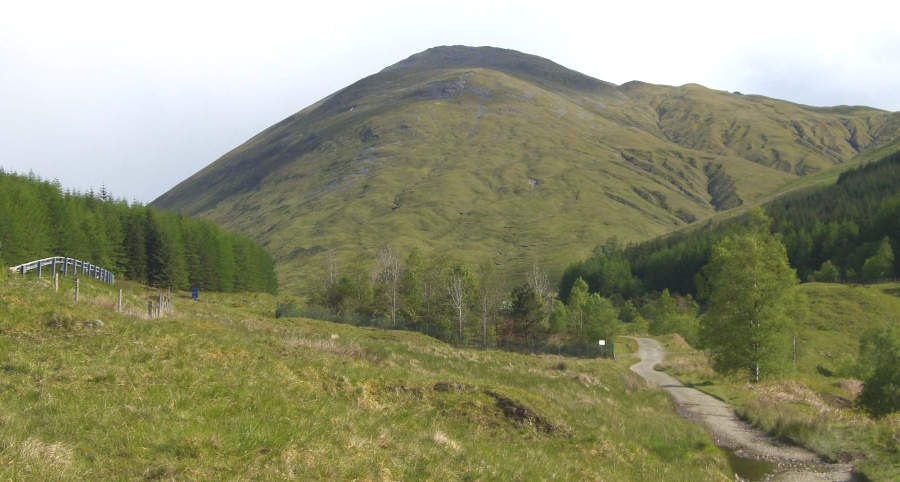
<point x="749" y="469"/>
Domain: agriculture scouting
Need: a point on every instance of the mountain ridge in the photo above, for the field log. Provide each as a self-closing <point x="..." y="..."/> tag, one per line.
<point x="490" y="154"/>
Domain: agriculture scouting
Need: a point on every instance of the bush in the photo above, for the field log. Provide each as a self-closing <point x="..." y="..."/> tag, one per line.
<point x="288" y="309"/>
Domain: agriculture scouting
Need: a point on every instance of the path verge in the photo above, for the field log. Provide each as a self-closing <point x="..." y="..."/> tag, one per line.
<point x="795" y="464"/>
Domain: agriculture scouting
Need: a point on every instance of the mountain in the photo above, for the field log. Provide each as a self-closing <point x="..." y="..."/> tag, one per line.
<point x="484" y="153"/>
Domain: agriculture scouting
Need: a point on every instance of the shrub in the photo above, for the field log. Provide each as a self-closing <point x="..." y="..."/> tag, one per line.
<point x="288" y="309"/>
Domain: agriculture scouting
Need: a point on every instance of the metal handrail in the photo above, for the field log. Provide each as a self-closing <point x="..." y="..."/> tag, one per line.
<point x="62" y="263"/>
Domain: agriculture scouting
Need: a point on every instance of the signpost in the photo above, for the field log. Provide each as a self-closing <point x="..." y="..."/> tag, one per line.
<point x="607" y="352"/>
<point x="195" y="294"/>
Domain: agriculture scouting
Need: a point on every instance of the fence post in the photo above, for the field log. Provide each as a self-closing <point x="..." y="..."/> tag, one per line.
<point x="150" y="308"/>
<point x="159" y="307"/>
<point x="66" y="267"/>
<point x="39" y="268"/>
<point x="53" y="265"/>
<point x="76" y="290"/>
<point x="119" y="304"/>
<point x="56" y="282"/>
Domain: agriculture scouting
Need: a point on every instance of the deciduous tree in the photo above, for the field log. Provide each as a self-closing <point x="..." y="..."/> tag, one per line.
<point x="752" y="302"/>
<point x="577" y="299"/>
<point x="881" y="264"/>
<point x="461" y="290"/>
<point x="388" y="276"/>
<point x="879" y="353"/>
<point x="490" y="296"/>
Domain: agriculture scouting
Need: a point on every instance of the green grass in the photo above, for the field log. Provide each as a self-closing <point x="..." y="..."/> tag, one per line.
<point x="220" y="389"/>
<point x="817" y="407"/>
<point x="529" y="161"/>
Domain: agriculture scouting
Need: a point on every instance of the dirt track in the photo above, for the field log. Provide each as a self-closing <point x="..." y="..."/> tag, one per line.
<point x="795" y="464"/>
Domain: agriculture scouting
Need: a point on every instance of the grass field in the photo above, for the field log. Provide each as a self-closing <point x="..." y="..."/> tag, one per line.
<point x="222" y="390"/>
<point x="817" y="409"/>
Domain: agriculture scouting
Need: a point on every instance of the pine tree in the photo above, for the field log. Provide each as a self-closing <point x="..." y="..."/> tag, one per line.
<point x="528" y="312"/>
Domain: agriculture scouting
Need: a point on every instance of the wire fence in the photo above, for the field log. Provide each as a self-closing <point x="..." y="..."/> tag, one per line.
<point x="444" y="332"/>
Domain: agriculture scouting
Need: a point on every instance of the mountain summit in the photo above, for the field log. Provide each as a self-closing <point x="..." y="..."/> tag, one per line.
<point x="492" y="154"/>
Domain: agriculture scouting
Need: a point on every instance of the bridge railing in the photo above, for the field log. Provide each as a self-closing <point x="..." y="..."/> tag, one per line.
<point x="65" y="265"/>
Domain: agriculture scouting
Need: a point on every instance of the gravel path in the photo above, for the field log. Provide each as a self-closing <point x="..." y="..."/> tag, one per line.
<point x="795" y="464"/>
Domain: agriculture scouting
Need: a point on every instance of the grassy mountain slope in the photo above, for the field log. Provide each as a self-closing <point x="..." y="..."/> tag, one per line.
<point x="220" y="390"/>
<point x="492" y="154"/>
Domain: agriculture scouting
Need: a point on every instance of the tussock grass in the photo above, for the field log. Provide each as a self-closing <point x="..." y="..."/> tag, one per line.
<point x="223" y="390"/>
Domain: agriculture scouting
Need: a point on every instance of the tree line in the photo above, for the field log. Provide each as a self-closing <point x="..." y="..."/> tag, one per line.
<point x="441" y="297"/>
<point x="848" y="231"/>
<point x="38" y="219"/>
<point x="746" y="270"/>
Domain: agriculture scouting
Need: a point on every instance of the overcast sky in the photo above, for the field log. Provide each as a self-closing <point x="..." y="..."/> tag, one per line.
<point x="140" y="95"/>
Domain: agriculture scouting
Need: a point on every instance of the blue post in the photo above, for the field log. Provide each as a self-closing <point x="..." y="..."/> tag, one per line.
<point x="39" y="269"/>
<point x="53" y="266"/>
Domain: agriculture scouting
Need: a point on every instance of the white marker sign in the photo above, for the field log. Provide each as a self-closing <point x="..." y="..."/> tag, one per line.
<point x="602" y="342"/>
